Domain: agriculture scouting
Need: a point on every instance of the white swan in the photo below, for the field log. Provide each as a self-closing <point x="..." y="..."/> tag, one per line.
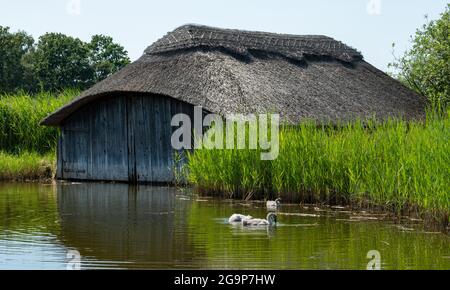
<point x="237" y="218"/>
<point x="273" y="204"/>
<point x="271" y="220"/>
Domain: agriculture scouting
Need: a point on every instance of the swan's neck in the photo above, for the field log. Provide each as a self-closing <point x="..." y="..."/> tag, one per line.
<point x="270" y="218"/>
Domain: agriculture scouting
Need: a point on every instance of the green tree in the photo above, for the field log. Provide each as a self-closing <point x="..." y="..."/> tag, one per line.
<point x="60" y="62"/>
<point x="426" y="66"/>
<point x="56" y="62"/>
<point x="13" y="48"/>
<point x="106" y="57"/>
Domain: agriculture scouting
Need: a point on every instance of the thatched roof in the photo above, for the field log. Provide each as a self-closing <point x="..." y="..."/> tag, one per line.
<point x="232" y="71"/>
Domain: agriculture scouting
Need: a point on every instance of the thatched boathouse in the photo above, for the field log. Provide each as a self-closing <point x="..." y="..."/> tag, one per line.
<point x="119" y="130"/>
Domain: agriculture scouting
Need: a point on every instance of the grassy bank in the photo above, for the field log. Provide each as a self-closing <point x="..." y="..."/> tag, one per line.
<point x="27" y="149"/>
<point x="27" y="166"/>
<point x="395" y="165"/>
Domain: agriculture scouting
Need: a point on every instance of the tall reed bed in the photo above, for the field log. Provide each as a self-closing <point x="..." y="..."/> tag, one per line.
<point x="394" y="164"/>
<point x="20" y="115"/>
<point x="27" y="150"/>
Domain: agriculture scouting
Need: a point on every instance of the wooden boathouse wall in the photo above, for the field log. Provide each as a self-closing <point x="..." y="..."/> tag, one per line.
<point x="122" y="138"/>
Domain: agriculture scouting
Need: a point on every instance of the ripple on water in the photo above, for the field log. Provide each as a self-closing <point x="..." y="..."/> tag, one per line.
<point x="158" y="227"/>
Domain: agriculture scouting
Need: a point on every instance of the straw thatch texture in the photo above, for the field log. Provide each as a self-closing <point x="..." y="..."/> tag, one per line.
<point x="231" y="71"/>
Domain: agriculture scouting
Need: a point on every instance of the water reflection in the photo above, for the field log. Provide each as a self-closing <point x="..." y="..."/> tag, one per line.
<point x="140" y="226"/>
<point x="28" y="228"/>
<point x="121" y="226"/>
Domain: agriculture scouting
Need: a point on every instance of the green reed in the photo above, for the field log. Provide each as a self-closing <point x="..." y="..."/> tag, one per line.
<point x="20" y="115"/>
<point x="26" y="166"/>
<point x="394" y="164"/>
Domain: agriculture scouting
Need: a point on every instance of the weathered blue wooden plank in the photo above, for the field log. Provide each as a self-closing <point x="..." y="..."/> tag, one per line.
<point x="108" y="141"/>
<point x="73" y="147"/>
<point x="141" y="140"/>
<point x="130" y="117"/>
<point x="59" y="159"/>
<point x="116" y="140"/>
<point x="123" y="138"/>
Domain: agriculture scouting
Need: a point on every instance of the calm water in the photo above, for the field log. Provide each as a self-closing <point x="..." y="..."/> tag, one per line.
<point x="119" y="226"/>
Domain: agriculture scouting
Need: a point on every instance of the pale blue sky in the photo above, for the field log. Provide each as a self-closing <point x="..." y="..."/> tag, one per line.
<point x="136" y="23"/>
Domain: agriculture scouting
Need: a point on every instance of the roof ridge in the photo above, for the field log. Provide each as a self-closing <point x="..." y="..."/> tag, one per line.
<point x="244" y="31"/>
<point x="242" y="41"/>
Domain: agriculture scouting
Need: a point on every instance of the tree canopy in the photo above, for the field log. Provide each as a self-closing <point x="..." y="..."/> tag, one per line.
<point x="13" y="47"/>
<point x="425" y="68"/>
<point x="106" y="56"/>
<point x="56" y="61"/>
<point x="61" y="61"/>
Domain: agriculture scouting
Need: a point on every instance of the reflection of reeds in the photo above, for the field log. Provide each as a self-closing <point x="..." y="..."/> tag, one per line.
<point x="298" y="243"/>
<point x="396" y="165"/>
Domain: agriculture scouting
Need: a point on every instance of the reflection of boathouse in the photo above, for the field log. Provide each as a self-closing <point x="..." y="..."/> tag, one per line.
<point x="119" y="223"/>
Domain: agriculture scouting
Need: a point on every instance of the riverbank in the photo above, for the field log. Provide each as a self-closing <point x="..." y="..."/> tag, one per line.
<point x="395" y="166"/>
<point x="27" y="149"/>
<point x="32" y="167"/>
